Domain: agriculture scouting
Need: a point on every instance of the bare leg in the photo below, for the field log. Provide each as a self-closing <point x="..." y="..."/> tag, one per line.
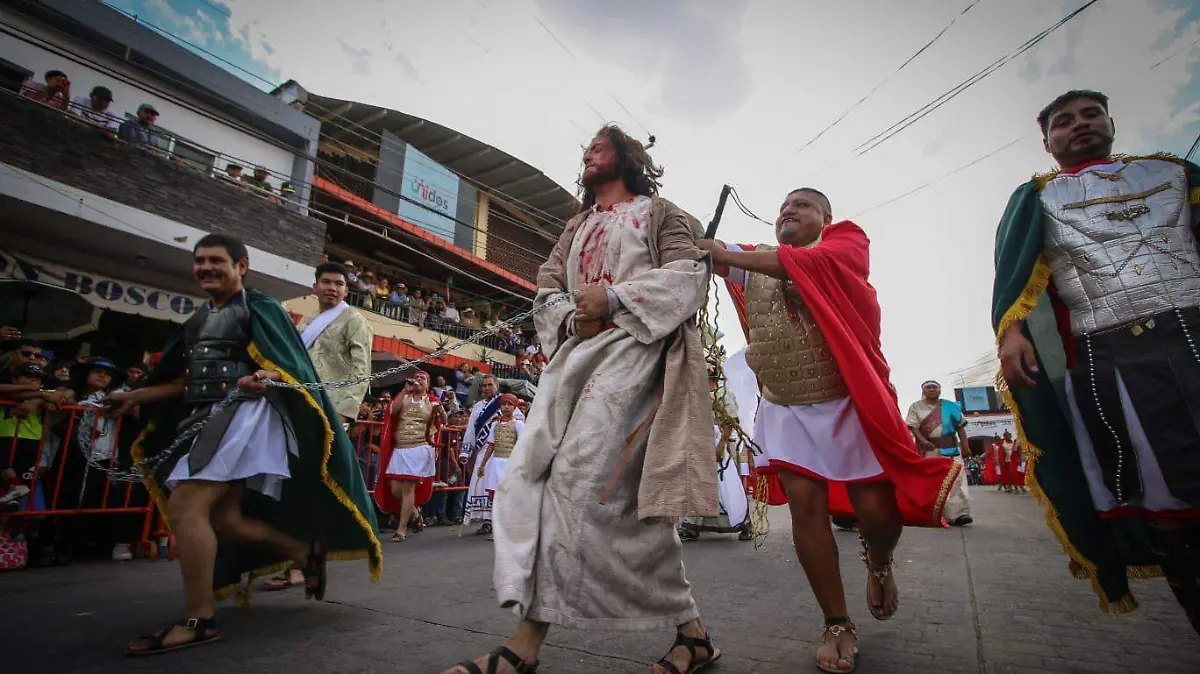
<point x="525" y="642"/>
<point x="230" y="525"/>
<point x="808" y="502"/>
<point x="397" y="487"/>
<point x="408" y="504"/>
<point x="880" y="525"/>
<point x="188" y="510"/>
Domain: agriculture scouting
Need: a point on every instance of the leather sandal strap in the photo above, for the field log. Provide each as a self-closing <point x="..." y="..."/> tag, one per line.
<point x="469" y="667"/>
<point x="511" y="658"/>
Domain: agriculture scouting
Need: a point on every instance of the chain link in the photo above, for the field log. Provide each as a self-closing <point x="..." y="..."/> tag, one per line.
<point x="149" y="464"/>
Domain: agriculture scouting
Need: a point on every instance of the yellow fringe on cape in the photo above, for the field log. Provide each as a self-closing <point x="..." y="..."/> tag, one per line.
<point x="243" y="594"/>
<point x="1042" y="179"/>
<point x="1080" y="566"/>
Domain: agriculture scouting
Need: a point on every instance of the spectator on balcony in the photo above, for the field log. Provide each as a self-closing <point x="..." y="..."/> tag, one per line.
<point x="94" y="109"/>
<point x="468" y="319"/>
<point x="60" y="372"/>
<point x="417" y="308"/>
<point x="137" y="130"/>
<point x="352" y="275"/>
<point x="259" y="181"/>
<point x="287" y="193"/>
<point x="55" y="91"/>
<point x="451" y="313"/>
<point x="366" y="283"/>
<point x="436" y="312"/>
<point x="233" y="175"/>
<point x="399" y="295"/>
<point x="382" y="291"/>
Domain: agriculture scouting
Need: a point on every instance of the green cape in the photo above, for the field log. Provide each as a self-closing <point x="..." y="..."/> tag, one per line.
<point x="326" y="494"/>
<point x="1107" y="552"/>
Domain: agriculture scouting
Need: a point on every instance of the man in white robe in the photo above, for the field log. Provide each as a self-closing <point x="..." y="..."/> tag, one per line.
<point x="585" y="515"/>
<point x="484" y="415"/>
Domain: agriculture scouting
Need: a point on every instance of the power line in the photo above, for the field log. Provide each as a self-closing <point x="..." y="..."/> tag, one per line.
<point x="1195" y="147"/>
<point x="887" y="79"/>
<point x="942" y="177"/>
<point x="915" y="116"/>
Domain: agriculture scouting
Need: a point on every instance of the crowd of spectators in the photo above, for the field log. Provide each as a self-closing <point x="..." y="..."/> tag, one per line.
<point x="51" y="432"/>
<point x="139" y="129"/>
<point x="438" y="310"/>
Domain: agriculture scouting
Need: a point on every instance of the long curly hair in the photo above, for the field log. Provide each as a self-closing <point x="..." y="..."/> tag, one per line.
<point x="634" y="165"/>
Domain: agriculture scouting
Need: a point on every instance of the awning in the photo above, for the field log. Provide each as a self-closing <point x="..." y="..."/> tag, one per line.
<point x="101" y="291"/>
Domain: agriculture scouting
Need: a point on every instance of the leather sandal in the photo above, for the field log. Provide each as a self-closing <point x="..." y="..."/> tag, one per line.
<point x="880" y="573"/>
<point x="692" y="644"/>
<point x="493" y="663"/>
<point x="199" y="628"/>
<point x="836" y="631"/>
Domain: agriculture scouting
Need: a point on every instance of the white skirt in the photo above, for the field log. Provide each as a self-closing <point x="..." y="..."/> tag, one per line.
<point x="825" y="440"/>
<point x="1155" y="495"/>
<point x="412" y="463"/>
<point x="493" y="473"/>
<point x="254" y="448"/>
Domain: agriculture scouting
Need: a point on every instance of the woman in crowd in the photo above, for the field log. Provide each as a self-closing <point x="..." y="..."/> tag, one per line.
<point x="94" y="442"/>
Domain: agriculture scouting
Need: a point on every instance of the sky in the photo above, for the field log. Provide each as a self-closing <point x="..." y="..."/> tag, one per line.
<point x="733" y="89"/>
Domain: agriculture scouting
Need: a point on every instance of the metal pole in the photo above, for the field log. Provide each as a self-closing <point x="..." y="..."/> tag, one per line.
<point x="711" y="232"/>
<point x="1192" y="152"/>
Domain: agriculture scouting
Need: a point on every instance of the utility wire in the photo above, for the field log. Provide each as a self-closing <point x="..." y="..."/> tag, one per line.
<point x="887" y="79"/>
<point x="918" y="114"/>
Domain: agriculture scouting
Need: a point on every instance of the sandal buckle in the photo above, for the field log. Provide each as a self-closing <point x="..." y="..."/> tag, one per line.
<point x="192" y="624"/>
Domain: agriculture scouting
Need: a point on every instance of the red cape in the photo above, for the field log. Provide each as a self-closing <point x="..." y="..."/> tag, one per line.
<point x="831" y="277"/>
<point x="384" y="498"/>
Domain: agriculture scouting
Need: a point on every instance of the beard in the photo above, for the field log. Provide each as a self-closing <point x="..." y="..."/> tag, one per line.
<point x="601" y="175"/>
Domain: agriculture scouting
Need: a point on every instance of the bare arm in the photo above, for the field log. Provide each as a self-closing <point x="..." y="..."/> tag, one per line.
<point x="764" y="262"/>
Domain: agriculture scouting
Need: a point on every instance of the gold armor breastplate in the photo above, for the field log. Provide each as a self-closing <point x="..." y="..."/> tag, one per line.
<point x="410" y="427"/>
<point x="506" y="439"/>
<point x="787" y="351"/>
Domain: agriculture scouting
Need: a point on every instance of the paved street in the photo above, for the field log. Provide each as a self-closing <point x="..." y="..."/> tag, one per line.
<point x="994" y="597"/>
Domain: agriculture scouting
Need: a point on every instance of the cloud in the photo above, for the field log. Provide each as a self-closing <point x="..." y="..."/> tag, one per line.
<point x="692" y="51"/>
<point x="360" y="59"/>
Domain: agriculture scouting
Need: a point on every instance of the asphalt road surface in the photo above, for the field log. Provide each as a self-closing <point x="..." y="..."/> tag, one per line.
<point x="994" y="597"/>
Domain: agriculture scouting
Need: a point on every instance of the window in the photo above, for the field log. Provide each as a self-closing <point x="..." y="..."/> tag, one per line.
<point x="12" y="76"/>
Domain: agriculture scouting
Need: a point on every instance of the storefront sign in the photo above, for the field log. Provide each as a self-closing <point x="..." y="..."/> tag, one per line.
<point x="990" y="426"/>
<point x="429" y="195"/>
<point x="102" y="291"/>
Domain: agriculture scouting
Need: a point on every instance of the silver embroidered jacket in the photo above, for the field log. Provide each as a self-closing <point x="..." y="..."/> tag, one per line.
<point x="1120" y="243"/>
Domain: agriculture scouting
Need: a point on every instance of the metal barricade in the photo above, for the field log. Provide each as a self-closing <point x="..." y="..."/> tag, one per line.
<point x="44" y="448"/>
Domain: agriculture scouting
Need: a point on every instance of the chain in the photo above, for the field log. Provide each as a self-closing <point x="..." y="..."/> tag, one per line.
<point x="715" y="355"/>
<point x="150" y="464"/>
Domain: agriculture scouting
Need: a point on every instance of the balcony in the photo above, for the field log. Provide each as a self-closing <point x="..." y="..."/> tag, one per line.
<point x="62" y="148"/>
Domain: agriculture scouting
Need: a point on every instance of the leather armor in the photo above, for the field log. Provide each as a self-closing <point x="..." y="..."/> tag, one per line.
<point x="505" y="435"/>
<point x="412" y="424"/>
<point x="216" y="342"/>
<point x="787" y="350"/>
<point x="1120" y="243"/>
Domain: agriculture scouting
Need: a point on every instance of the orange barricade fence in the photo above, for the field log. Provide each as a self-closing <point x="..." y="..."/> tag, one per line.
<point x="48" y="452"/>
<point x="451" y="475"/>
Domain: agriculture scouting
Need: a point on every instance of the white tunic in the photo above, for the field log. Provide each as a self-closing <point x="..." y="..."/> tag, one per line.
<point x="254" y="448"/>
